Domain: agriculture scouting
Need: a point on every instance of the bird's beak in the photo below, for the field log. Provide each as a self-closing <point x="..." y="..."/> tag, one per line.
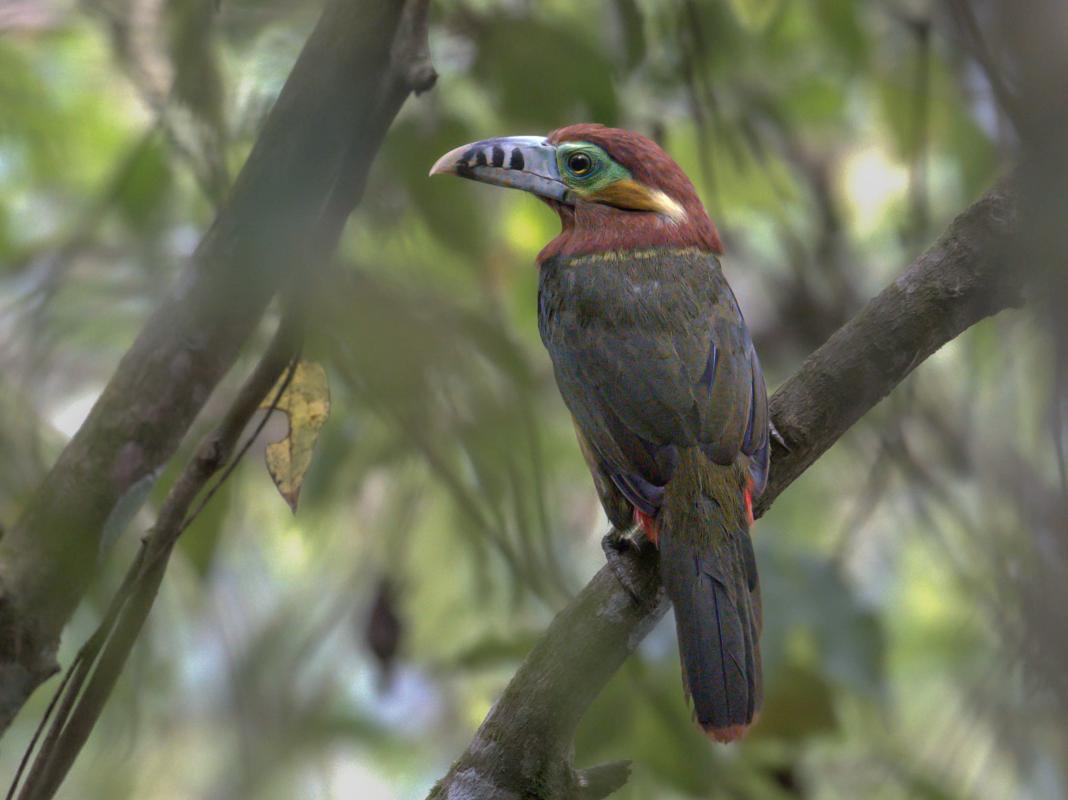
<point x="517" y="162"/>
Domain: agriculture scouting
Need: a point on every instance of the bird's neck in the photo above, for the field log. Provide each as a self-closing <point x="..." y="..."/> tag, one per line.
<point x="591" y="228"/>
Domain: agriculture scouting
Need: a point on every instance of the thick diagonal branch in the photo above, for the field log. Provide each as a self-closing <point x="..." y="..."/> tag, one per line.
<point x="523" y="748"/>
<point x="92" y="676"/>
<point x="284" y="215"/>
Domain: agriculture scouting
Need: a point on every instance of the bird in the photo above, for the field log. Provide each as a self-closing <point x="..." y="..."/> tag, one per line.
<point x="655" y="363"/>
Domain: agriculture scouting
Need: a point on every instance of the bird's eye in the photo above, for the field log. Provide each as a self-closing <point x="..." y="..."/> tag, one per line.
<point x="579" y="164"/>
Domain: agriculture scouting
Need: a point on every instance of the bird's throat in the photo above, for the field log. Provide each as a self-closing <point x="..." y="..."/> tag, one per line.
<point x="591" y="228"/>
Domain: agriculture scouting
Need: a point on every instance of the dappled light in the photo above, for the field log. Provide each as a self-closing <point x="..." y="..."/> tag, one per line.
<point x="289" y="494"/>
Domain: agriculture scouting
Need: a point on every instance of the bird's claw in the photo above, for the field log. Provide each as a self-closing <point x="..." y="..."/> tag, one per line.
<point x="615" y="544"/>
<point x="777" y="436"/>
<point x="618" y="541"/>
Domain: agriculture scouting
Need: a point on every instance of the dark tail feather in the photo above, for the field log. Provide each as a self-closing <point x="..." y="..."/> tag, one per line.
<point x="709" y="571"/>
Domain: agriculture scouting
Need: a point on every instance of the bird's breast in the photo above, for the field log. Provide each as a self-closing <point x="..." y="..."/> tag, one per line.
<point x="654" y="290"/>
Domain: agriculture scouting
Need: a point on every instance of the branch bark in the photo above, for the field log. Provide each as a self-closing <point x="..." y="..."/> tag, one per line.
<point x="524" y="746"/>
<point x="286" y="211"/>
<point x="91" y="678"/>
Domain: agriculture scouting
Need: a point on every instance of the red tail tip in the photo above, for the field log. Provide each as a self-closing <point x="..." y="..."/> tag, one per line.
<point x="731" y="733"/>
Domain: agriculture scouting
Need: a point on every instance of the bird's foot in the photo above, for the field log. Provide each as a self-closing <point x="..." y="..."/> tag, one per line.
<point x="620" y="549"/>
<point x="777" y="436"/>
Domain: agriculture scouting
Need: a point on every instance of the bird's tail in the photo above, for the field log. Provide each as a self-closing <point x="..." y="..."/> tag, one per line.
<point x="709" y="571"/>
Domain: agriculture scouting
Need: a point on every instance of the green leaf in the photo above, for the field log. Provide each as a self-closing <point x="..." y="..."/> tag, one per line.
<point x="572" y="79"/>
<point x="493" y="651"/>
<point x="142" y="196"/>
<point x="832" y="632"/>
<point x="633" y="27"/>
<point x="754" y="14"/>
<point x="408" y="153"/>
<point x="798" y="704"/>
<point x="839" y="26"/>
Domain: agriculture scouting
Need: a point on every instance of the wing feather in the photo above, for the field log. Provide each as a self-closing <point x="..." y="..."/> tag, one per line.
<point x="650" y="358"/>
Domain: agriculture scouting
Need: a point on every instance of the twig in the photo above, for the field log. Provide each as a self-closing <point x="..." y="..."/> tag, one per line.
<point x="101" y="659"/>
<point x="919" y="201"/>
<point x="1009" y="101"/>
<point x="286" y="210"/>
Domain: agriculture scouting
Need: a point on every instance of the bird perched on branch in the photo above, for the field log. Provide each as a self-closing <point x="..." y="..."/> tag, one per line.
<point x="654" y="361"/>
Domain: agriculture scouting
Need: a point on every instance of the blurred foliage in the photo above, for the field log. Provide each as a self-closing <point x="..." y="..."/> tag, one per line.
<point x="351" y="650"/>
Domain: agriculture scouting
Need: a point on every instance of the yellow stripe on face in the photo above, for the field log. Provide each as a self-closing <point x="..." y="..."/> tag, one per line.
<point x="634" y="196"/>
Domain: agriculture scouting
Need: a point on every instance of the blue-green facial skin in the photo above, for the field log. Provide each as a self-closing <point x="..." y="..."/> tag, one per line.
<point x="586" y="168"/>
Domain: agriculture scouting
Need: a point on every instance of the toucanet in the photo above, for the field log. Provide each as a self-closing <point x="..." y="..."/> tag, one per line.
<point x="654" y="361"/>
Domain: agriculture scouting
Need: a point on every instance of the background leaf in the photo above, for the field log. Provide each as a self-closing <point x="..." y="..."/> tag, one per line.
<point x="305" y="401"/>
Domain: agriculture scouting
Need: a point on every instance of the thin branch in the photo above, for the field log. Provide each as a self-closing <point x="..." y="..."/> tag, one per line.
<point x="1006" y="97"/>
<point x="524" y="746"/>
<point x="286" y="210"/>
<point x="101" y="659"/>
<point x="967" y="275"/>
<point x="919" y="201"/>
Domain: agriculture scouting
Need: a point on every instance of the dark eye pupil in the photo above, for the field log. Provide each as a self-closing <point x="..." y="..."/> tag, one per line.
<point x="580" y="163"/>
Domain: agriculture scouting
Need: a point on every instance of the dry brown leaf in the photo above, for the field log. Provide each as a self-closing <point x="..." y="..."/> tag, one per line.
<point x="306" y="401"/>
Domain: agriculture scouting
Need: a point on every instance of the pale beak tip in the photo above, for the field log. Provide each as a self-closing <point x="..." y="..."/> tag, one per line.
<point x="446" y="165"/>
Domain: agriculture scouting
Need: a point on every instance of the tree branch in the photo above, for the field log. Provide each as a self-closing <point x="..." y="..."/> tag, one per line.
<point x="286" y="211"/>
<point x="524" y="746"/>
<point x="90" y="679"/>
